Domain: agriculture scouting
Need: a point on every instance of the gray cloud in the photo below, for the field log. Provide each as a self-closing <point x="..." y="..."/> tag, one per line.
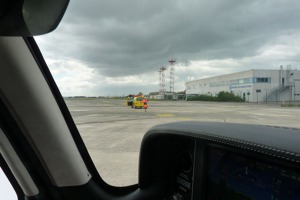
<point x="128" y="37"/>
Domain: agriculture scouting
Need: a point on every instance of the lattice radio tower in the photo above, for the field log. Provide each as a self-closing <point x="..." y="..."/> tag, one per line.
<point x="172" y="63"/>
<point x="162" y="84"/>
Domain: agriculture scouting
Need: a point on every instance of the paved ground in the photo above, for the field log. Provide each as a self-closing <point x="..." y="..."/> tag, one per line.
<point x="113" y="132"/>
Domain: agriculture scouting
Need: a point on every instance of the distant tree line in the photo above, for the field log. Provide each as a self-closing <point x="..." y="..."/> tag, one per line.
<point x="222" y="97"/>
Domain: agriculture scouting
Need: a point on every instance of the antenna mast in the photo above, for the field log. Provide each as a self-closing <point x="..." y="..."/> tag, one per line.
<point x="172" y="63"/>
<point x="162" y="84"/>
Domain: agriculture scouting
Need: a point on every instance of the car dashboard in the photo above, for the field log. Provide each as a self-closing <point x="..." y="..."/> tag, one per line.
<point x="194" y="161"/>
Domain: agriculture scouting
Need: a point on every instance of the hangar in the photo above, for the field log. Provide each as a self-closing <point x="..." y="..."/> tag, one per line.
<point x="255" y="85"/>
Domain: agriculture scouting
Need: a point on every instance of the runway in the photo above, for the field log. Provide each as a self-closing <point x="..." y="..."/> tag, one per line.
<point x="113" y="132"/>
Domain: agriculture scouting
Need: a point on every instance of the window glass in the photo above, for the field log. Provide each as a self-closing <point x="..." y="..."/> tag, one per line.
<point x="6" y="190"/>
<point x="104" y="51"/>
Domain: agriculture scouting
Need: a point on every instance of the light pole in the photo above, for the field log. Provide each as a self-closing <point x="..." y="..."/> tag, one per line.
<point x="266" y="96"/>
<point x="291" y="88"/>
<point x="295" y="91"/>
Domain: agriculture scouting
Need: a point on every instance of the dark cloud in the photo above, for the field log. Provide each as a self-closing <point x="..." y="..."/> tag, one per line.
<point x="130" y="37"/>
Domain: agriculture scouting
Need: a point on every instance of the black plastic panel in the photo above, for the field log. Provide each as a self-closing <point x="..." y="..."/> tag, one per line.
<point x="231" y="161"/>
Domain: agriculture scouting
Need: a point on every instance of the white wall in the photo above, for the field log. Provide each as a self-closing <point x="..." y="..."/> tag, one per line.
<point x="274" y="90"/>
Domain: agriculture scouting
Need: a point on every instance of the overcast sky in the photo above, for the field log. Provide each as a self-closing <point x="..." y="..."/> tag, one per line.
<point x="115" y="47"/>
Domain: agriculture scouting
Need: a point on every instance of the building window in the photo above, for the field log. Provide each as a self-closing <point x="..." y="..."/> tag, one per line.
<point x="262" y="80"/>
<point x="234" y="82"/>
<point x="247" y="80"/>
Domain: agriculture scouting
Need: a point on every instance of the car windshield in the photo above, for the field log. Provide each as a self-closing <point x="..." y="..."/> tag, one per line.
<point x="220" y="61"/>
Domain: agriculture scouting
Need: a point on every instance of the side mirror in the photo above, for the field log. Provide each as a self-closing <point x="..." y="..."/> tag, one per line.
<point x="30" y="17"/>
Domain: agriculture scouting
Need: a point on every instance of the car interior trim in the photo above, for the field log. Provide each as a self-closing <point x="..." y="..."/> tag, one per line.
<point x="38" y="114"/>
<point x="16" y="166"/>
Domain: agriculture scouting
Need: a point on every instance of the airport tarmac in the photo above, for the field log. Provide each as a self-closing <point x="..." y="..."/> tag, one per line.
<point x="113" y="132"/>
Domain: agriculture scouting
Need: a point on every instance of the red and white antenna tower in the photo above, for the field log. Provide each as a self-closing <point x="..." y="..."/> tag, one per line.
<point x="172" y="63"/>
<point x="162" y="84"/>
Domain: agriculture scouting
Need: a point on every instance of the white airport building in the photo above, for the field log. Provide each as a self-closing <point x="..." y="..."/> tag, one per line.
<point x="255" y="85"/>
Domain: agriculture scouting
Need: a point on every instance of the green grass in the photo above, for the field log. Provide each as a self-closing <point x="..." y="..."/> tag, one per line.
<point x="221" y="97"/>
<point x="290" y="105"/>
